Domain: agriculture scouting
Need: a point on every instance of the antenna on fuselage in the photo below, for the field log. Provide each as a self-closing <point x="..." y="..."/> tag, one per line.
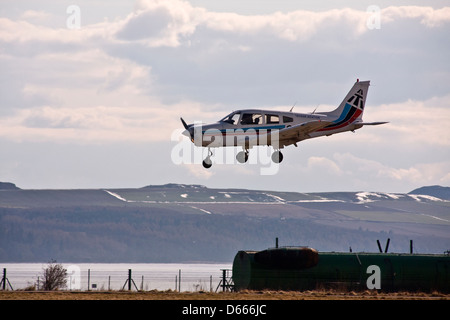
<point x="314" y="111"/>
<point x="293" y="106"/>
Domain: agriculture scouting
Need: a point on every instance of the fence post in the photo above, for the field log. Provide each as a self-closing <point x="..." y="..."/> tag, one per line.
<point x="129" y="279"/>
<point x="224" y="279"/>
<point x="4" y="280"/>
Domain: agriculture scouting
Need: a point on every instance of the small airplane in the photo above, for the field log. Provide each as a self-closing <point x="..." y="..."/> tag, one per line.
<point x="279" y="129"/>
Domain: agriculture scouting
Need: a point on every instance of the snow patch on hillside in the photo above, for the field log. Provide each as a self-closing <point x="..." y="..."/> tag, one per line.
<point x="420" y="197"/>
<point x="115" y="195"/>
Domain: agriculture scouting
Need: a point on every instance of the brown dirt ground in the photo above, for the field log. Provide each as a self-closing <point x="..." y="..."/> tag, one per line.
<point x="243" y="295"/>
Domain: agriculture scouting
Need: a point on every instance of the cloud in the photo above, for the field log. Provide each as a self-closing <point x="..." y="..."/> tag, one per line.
<point x="80" y="79"/>
<point x="21" y="32"/>
<point x="428" y="16"/>
<point x="168" y="23"/>
<point x="352" y="171"/>
<point x="159" y="23"/>
<point x="372" y="170"/>
<point x="89" y="97"/>
<point x="325" y="165"/>
<point x="198" y="171"/>
<point x="165" y="23"/>
<point x="96" y="124"/>
<point x="415" y="122"/>
<point x="35" y="16"/>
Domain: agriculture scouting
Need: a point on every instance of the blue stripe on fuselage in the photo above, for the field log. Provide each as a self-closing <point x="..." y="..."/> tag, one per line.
<point x="246" y="129"/>
<point x="344" y="114"/>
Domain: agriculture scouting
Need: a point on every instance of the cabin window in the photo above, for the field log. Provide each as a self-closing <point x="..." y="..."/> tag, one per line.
<point x="232" y="118"/>
<point x="272" y="118"/>
<point x="287" y="119"/>
<point x="251" y="118"/>
<point x="235" y="118"/>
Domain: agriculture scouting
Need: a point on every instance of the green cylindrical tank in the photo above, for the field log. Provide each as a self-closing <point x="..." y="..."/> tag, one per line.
<point x="304" y="268"/>
<point x="279" y="268"/>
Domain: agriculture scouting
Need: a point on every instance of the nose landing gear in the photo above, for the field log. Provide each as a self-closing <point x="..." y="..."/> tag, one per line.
<point x="207" y="163"/>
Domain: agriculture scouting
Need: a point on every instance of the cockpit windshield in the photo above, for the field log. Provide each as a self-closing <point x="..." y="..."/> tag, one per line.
<point x="232" y="118"/>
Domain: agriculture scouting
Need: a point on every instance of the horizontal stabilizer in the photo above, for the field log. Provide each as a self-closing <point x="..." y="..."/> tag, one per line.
<point x="372" y="123"/>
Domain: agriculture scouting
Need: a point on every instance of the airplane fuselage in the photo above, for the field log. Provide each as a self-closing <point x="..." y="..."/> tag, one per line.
<point x="242" y="132"/>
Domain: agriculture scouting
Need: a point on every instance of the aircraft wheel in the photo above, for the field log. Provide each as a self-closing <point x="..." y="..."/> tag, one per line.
<point x="277" y="157"/>
<point x="242" y="157"/>
<point x="207" y="163"/>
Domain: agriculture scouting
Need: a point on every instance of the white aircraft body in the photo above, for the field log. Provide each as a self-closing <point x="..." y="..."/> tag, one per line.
<point x="255" y="127"/>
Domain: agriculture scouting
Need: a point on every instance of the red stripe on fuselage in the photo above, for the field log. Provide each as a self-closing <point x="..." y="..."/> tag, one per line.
<point x="353" y="118"/>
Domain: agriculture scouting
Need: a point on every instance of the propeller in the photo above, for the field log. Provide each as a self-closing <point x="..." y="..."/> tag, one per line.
<point x="184" y="124"/>
<point x="189" y="128"/>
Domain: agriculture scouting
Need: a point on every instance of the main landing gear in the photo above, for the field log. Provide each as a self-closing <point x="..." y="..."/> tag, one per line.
<point x="242" y="157"/>
<point x="277" y="156"/>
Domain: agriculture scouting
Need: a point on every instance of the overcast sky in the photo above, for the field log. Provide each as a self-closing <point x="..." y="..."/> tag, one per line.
<point x="91" y="92"/>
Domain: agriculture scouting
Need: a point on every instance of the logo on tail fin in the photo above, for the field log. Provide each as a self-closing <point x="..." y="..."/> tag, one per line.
<point x="352" y="111"/>
<point x="357" y="100"/>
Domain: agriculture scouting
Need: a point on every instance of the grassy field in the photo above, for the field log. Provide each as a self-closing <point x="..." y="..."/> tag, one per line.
<point x="243" y="295"/>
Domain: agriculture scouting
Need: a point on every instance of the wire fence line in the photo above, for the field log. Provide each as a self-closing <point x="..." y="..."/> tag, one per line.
<point x="103" y="277"/>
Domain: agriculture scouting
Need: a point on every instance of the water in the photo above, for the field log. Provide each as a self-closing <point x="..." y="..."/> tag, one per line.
<point x="114" y="276"/>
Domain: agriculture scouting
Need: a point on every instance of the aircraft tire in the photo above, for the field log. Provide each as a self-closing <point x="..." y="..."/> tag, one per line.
<point x="207" y="163"/>
<point x="277" y="157"/>
<point x="242" y="157"/>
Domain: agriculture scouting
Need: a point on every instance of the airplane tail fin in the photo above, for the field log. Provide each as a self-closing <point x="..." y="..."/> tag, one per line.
<point x="352" y="107"/>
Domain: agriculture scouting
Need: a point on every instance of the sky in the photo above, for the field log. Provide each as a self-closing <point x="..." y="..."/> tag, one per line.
<point x="92" y="93"/>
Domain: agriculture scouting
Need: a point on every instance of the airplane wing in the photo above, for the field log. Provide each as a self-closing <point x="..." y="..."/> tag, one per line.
<point x="293" y="134"/>
<point x="301" y="131"/>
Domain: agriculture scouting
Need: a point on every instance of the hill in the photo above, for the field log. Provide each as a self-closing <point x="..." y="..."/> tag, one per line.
<point x="7" y="186"/>
<point x="174" y="223"/>
<point x="434" y="191"/>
